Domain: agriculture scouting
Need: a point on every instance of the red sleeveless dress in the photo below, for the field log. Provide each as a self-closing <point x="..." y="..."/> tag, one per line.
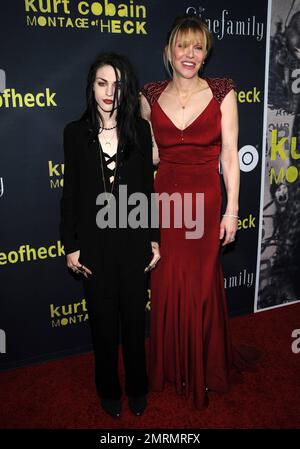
<point x="190" y="343"/>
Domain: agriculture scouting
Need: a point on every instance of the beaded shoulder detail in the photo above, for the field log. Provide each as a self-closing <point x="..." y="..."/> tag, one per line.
<point x="152" y="91"/>
<point x="220" y="87"/>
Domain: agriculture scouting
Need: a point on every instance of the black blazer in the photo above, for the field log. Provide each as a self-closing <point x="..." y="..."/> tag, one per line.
<point x="82" y="184"/>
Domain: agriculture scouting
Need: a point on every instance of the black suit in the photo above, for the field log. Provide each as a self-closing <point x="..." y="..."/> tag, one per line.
<point x="116" y="257"/>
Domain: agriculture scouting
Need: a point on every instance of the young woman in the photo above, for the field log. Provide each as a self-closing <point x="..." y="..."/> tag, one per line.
<point x="110" y="148"/>
<point x="195" y="124"/>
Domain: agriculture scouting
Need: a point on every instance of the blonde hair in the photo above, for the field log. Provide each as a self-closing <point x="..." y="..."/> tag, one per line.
<point x="186" y="28"/>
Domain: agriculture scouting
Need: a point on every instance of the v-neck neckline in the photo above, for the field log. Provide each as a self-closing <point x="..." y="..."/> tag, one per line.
<point x="196" y="118"/>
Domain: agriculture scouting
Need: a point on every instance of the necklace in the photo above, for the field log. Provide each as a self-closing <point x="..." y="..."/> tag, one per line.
<point x="103" y="177"/>
<point x="108" y="129"/>
<point x="107" y="143"/>
<point x="183" y="106"/>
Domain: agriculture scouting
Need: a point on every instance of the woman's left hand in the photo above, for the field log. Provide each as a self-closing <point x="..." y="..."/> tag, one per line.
<point x="228" y="228"/>
<point x="155" y="258"/>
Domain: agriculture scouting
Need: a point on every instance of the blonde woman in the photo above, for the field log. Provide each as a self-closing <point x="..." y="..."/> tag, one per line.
<point x="195" y="124"/>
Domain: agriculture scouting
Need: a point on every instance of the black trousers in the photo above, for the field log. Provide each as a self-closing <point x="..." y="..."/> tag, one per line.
<point x="116" y="299"/>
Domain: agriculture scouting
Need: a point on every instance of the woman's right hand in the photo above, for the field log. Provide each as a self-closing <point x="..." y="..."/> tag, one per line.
<point x="155" y="258"/>
<point x="74" y="264"/>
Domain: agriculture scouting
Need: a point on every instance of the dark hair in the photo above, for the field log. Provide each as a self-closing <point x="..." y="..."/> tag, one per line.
<point x="183" y="25"/>
<point x="127" y="102"/>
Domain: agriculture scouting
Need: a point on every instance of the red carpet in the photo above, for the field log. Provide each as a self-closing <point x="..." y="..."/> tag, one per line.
<point x="61" y="394"/>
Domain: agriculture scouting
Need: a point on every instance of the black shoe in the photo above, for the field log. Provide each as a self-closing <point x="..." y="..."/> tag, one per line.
<point x="112" y="407"/>
<point x="137" y="405"/>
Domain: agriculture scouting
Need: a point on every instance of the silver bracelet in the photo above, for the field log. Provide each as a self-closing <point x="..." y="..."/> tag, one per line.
<point x="231" y="215"/>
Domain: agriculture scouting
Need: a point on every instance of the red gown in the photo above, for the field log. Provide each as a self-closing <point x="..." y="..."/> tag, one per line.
<point x="190" y="343"/>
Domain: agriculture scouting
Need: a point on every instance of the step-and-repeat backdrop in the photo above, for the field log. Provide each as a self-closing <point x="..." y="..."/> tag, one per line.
<point x="46" y="49"/>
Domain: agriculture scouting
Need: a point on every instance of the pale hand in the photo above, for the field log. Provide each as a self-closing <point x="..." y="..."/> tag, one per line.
<point x="228" y="228"/>
<point x="74" y="264"/>
<point x="155" y="258"/>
